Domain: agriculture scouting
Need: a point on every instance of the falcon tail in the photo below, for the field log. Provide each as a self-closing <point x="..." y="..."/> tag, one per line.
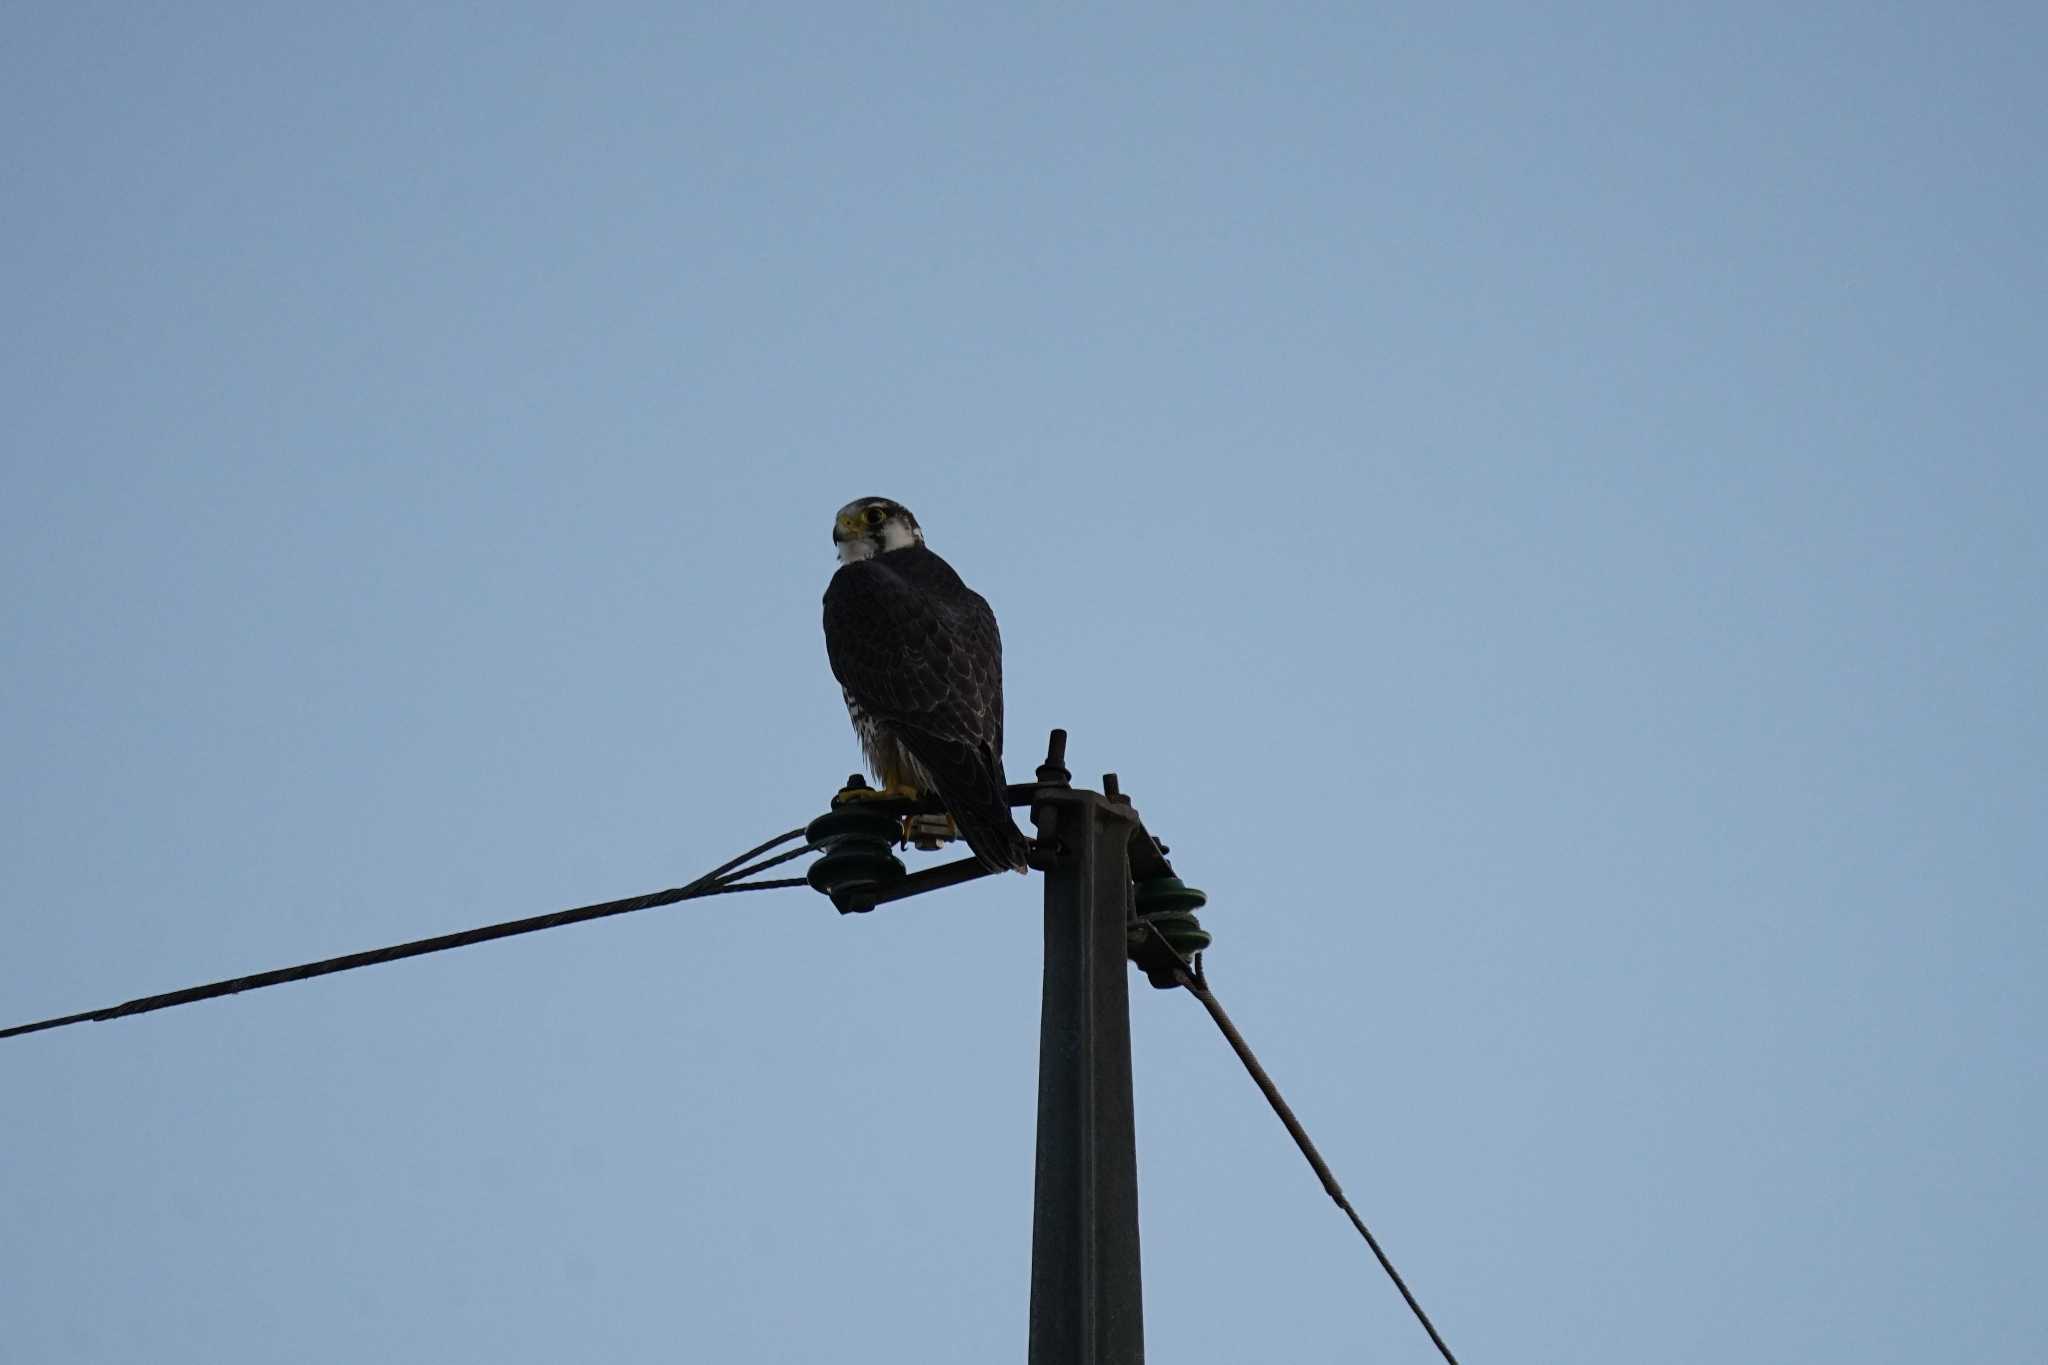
<point x="970" y="782"/>
<point x="989" y="830"/>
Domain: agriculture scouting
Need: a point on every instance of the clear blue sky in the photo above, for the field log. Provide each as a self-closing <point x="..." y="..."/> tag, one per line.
<point x="1538" y="503"/>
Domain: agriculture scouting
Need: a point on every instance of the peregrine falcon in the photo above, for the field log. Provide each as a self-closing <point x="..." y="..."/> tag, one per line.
<point x="918" y="655"/>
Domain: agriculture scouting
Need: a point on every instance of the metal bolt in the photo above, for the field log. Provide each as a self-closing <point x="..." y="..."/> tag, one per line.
<point x="1053" y="771"/>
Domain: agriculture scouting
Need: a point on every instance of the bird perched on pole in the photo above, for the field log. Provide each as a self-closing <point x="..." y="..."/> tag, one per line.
<point x="918" y="655"/>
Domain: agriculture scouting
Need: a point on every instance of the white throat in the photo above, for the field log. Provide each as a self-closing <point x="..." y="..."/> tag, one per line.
<point x="893" y="534"/>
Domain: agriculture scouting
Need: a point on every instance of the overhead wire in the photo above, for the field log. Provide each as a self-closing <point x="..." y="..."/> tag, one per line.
<point x="767" y="863"/>
<point x="774" y="884"/>
<point x="718" y="881"/>
<point x="1190" y="976"/>
<point x="728" y="877"/>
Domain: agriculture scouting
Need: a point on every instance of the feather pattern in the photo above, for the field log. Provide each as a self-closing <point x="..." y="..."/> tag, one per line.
<point x="920" y="659"/>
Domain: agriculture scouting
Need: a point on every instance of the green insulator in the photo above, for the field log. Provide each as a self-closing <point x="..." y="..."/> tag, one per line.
<point x="1166" y="910"/>
<point x="858" y="853"/>
<point x="1183" y="933"/>
<point x="1169" y="893"/>
<point x="854" y="820"/>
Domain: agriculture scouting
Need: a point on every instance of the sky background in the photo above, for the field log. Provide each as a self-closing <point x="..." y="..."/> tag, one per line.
<point x="1537" y="503"/>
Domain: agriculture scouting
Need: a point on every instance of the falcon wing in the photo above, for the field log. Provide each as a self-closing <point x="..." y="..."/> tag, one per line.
<point x="921" y="651"/>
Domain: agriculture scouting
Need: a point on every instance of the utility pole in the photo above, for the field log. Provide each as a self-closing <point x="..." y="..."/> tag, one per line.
<point x="1086" y="1298"/>
<point x="1111" y="898"/>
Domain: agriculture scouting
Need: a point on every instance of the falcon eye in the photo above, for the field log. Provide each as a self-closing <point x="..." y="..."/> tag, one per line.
<point x="874" y="516"/>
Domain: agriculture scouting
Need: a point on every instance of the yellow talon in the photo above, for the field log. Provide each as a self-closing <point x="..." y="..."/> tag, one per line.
<point x="893" y="792"/>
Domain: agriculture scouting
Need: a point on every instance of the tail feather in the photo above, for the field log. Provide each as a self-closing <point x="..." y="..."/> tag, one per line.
<point x="992" y="833"/>
<point x="971" y="785"/>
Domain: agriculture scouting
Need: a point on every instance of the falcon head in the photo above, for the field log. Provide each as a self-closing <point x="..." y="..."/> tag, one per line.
<point x="867" y="527"/>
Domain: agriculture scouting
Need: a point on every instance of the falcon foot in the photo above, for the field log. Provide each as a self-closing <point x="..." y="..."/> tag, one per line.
<point x="861" y="791"/>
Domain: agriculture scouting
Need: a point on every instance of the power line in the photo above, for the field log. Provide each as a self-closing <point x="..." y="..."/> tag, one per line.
<point x="1191" y="976"/>
<point x="730" y="877"/>
<point x="719" y="880"/>
<point x="722" y="880"/>
<point x="777" y="884"/>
